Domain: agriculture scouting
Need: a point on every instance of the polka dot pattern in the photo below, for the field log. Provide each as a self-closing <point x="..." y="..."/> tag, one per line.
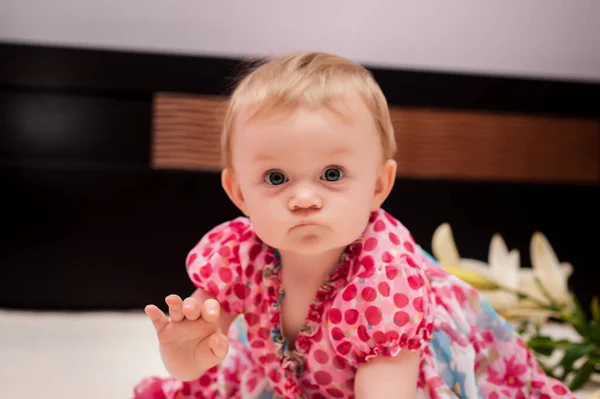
<point x="380" y="301"/>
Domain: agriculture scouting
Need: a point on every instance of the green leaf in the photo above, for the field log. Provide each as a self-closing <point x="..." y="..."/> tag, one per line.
<point x="595" y="327"/>
<point x="579" y="319"/>
<point x="573" y="353"/>
<point x="596" y="309"/>
<point x="581" y="376"/>
<point x="546" y="345"/>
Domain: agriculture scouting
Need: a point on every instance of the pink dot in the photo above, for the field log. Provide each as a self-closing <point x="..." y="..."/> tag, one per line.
<point x="351" y="316"/>
<point x="337" y="333"/>
<point x="401" y="318"/>
<point x="335" y="316"/>
<point x="336" y="393"/>
<point x="339" y="363"/>
<point x="416" y="282"/>
<point x="224" y="252"/>
<point x="367" y="262"/>
<point x="344" y="348"/>
<point x="387" y="257"/>
<point x="263" y="333"/>
<point x="191" y="259"/>
<point x="363" y="335"/>
<point x="225" y="274"/>
<point x="392" y="336"/>
<point x="391" y="219"/>
<point x="418" y="304"/>
<point x="349" y="292"/>
<point x="321" y="356"/>
<point x="206" y="270"/>
<point x="379" y="337"/>
<point x="212" y="288"/>
<point x="394" y="239"/>
<point x="409" y="247"/>
<point x="369" y="294"/>
<point x="241" y="290"/>
<point x="251" y="318"/>
<point x="379" y="226"/>
<point x="373" y="315"/>
<point x="400" y="300"/>
<point x="205" y="380"/>
<point x="384" y="289"/>
<point x="411" y="262"/>
<point x="391" y="272"/>
<point x="559" y="389"/>
<point x="370" y="244"/>
<point x="254" y="251"/>
<point x="323" y="377"/>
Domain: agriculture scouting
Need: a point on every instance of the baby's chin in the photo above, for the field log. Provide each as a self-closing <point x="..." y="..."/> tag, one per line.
<point x="311" y="241"/>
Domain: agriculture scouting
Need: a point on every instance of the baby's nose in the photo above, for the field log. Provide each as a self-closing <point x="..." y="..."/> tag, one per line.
<point x="305" y="198"/>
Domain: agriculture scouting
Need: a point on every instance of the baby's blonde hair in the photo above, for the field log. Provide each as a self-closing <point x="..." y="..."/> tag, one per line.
<point x="313" y="79"/>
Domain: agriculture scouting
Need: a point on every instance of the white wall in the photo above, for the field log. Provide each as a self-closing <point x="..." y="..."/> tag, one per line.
<point x="541" y="38"/>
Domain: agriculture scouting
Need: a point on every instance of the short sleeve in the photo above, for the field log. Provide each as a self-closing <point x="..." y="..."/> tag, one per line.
<point x="223" y="264"/>
<point x="385" y="309"/>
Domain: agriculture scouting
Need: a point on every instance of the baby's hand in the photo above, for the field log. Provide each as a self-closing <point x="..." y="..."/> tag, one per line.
<point x="190" y="341"/>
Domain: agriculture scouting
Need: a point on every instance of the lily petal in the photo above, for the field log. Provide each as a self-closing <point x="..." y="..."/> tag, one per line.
<point x="477" y="266"/>
<point x="500" y="300"/>
<point x="528" y="285"/>
<point x="498" y="250"/>
<point x="547" y="269"/>
<point x="443" y="246"/>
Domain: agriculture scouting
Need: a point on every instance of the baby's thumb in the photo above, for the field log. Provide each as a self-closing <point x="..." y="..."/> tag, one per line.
<point x="219" y="344"/>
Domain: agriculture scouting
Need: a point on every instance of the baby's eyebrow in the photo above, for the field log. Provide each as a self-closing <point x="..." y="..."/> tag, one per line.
<point x="264" y="157"/>
<point x="339" y="151"/>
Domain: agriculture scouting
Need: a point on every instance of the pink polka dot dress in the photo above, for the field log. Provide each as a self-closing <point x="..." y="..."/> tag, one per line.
<point x="385" y="296"/>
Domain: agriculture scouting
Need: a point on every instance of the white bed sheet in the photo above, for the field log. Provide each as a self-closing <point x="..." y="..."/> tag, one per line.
<point x="91" y="355"/>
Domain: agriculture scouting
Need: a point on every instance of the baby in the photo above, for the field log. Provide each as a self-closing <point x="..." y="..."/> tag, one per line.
<point x="334" y="297"/>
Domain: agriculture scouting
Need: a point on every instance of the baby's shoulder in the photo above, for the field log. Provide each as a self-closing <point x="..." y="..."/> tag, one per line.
<point x="235" y="234"/>
<point x="228" y="258"/>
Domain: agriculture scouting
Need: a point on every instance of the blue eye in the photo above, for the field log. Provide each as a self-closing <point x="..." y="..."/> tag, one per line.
<point x="275" y="178"/>
<point x="332" y="174"/>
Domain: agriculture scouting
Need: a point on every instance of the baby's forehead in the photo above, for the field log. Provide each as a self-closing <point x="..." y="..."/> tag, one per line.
<point x="349" y="110"/>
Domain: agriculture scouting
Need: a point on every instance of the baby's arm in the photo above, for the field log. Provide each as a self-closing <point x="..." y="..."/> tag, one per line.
<point x="388" y="377"/>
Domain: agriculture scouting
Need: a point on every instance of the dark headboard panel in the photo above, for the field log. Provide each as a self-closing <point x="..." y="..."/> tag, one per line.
<point x="108" y="169"/>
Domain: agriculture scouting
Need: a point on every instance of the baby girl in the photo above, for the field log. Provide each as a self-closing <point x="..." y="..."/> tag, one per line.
<point x="317" y="292"/>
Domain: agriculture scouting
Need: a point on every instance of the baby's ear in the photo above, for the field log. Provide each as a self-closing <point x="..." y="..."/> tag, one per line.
<point x="384" y="184"/>
<point x="233" y="190"/>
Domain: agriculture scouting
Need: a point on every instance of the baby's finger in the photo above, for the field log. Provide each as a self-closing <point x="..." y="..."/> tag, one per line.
<point x="192" y="308"/>
<point x="211" y="311"/>
<point x="219" y="344"/>
<point x="175" y="303"/>
<point x="158" y="318"/>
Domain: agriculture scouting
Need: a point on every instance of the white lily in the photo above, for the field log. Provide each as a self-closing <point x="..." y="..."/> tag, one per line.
<point x="502" y="268"/>
<point x="545" y="283"/>
<point x="502" y="277"/>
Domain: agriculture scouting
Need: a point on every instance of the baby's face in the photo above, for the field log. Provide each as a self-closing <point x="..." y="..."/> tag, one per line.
<point x="308" y="178"/>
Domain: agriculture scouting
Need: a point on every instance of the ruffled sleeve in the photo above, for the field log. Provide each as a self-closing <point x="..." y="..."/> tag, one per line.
<point x="223" y="264"/>
<point x="384" y="309"/>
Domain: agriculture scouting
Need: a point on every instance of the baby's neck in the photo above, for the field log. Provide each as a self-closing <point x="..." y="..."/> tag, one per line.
<point x="308" y="270"/>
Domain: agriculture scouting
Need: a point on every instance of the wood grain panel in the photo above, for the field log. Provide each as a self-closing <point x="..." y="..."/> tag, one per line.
<point x="187" y="131"/>
<point x="436" y="144"/>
